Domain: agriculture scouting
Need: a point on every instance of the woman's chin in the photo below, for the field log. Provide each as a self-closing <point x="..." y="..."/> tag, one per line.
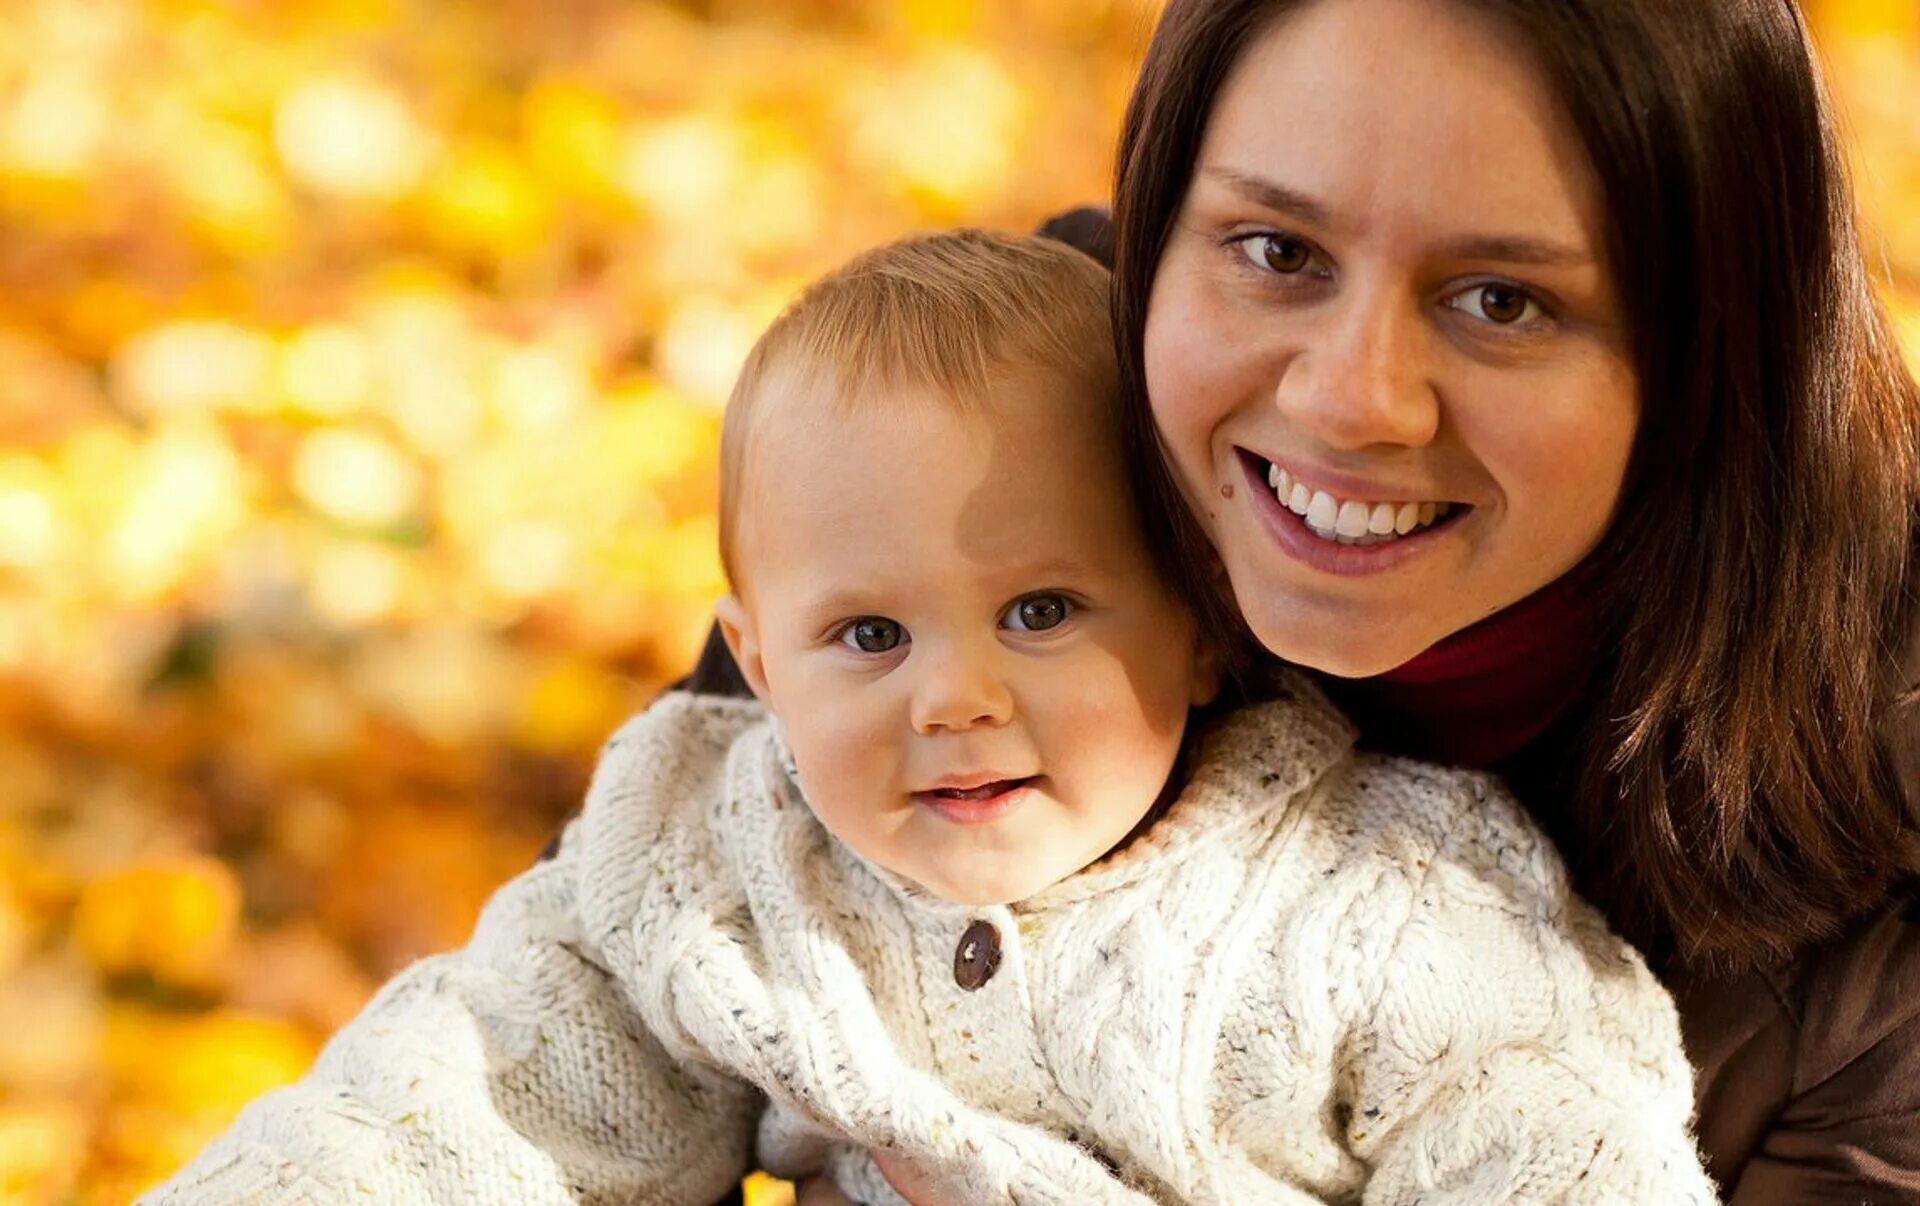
<point x="1341" y="663"/>
<point x="1337" y="646"/>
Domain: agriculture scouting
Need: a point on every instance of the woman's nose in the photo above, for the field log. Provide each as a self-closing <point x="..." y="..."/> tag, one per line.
<point x="958" y="690"/>
<point x="1362" y="379"/>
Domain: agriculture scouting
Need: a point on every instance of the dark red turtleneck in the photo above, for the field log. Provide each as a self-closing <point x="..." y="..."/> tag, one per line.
<point x="1483" y="693"/>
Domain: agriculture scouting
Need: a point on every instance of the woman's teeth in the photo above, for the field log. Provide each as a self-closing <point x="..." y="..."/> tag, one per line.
<point x="1349" y="521"/>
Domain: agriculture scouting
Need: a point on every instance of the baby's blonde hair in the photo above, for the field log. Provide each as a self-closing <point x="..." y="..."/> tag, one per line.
<point x="936" y="312"/>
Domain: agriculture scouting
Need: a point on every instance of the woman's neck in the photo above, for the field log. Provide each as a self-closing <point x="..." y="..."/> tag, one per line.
<point x="1482" y="694"/>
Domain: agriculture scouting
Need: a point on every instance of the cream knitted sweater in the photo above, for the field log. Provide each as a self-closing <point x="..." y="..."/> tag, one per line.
<point x="1321" y="977"/>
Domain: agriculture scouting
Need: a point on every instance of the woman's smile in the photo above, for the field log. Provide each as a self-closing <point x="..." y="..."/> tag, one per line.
<point x="1337" y="536"/>
<point x="1341" y="509"/>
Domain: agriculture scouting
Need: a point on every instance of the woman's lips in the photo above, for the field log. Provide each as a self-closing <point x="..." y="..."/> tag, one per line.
<point x="979" y="805"/>
<point x="1291" y="533"/>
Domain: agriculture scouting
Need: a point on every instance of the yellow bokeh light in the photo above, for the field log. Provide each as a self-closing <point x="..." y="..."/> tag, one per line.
<point x="230" y="192"/>
<point x="539" y="386"/>
<point x="16" y="933"/>
<point x="938" y="18"/>
<point x="681" y="168"/>
<point x="654" y="433"/>
<point x="50" y="1021"/>
<point x="423" y="347"/>
<point x="22" y="635"/>
<point x="215" y="1062"/>
<point x="186" y="496"/>
<point x="482" y="199"/>
<point x="569" y="705"/>
<point x="1906" y="316"/>
<point x="173" y="920"/>
<point x="327" y="370"/>
<point x="1872" y="18"/>
<point x="30" y="527"/>
<point x="104" y="311"/>
<point x="451" y="684"/>
<point x="56" y="125"/>
<point x="778" y="204"/>
<point x="763" y="1190"/>
<point x="527" y="559"/>
<point x="356" y="584"/>
<point x="41" y="1148"/>
<point x="573" y="135"/>
<point x="945" y="123"/>
<point x="350" y="135"/>
<point x="196" y="364"/>
<point x="702" y="345"/>
<point x="356" y="478"/>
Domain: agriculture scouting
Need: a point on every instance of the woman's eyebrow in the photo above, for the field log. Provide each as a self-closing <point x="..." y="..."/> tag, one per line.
<point x="1506" y="249"/>
<point x="1272" y="195"/>
<point x="1519" y="249"/>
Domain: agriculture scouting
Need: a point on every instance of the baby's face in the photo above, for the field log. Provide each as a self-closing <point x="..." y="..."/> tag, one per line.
<point x="982" y="679"/>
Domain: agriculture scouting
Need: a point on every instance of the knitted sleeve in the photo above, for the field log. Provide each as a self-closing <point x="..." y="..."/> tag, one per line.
<point x="1519" y="1051"/>
<point x="509" y="1071"/>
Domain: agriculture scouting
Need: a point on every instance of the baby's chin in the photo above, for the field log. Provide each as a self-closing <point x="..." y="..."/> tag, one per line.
<point x="997" y="886"/>
<point x="975" y="891"/>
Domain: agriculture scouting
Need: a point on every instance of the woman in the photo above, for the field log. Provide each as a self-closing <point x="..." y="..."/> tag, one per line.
<point x="1585" y="272"/>
<point x="1582" y="275"/>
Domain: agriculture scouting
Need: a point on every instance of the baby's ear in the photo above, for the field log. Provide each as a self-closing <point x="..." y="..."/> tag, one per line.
<point x="743" y="641"/>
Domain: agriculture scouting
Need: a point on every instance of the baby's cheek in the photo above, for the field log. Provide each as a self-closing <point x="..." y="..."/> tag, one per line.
<point x="1124" y="735"/>
<point x="838" y="754"/>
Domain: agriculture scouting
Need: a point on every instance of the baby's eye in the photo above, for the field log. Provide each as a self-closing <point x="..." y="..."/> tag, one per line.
<point x="1283" y="254"/>
<point x="1037" y="613"/>
<point x="872" y="634"/>
<point x="1499" y="303"/>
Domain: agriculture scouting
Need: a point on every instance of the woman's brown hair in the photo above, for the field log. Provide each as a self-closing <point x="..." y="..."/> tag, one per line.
<point x="1738" y="799"/>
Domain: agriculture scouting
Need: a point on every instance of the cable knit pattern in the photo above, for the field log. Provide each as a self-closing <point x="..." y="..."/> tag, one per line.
<point x="1321" y="977"/>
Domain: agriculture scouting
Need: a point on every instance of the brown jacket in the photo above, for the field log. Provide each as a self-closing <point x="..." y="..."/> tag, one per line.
<point x="1809" y="1073"/>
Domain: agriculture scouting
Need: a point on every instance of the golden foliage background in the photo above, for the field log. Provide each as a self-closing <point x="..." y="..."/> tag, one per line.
<point x="359" y="373"/>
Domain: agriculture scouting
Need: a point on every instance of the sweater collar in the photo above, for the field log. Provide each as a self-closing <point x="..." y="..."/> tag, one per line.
<point x="1248" y="764"/>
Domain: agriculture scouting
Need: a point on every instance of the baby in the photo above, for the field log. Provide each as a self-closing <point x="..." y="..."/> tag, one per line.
<point x="966" y="889"/>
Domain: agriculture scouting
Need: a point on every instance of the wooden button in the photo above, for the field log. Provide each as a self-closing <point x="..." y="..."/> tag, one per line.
<point x="977" y="957"/>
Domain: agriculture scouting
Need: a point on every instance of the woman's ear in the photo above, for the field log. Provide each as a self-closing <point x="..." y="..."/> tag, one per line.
<point x="743" y="641"/>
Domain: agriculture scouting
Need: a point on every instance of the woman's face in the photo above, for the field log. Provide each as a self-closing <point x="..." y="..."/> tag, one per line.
<point x="1383" y="346"/>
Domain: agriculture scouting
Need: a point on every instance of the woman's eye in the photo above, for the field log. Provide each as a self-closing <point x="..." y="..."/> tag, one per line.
<point x="1037" y="613"/>
<point x="872" y="634"/>
<point x="1282" y="253"/>
<point x="1504" y="305"/>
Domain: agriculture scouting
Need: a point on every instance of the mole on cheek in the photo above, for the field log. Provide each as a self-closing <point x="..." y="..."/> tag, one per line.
<point x="1226" y="489"/>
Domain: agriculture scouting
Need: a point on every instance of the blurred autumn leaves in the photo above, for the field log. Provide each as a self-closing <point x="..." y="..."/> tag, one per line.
<point x="359" y="372"/>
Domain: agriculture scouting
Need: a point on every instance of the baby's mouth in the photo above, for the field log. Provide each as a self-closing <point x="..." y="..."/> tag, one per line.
<point x="1351" y="520"/>
<point x="985" y="791"/>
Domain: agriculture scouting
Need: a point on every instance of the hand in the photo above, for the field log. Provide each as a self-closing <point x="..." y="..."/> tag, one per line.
<point x="906" y="1181"/>
<point x="911" y="1184"/>
<point x="818" y="1191"/>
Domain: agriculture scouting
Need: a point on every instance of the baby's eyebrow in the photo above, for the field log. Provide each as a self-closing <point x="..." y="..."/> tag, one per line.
<point x="1014" y="578"/>
<point x="839" y="601"/>
<point x="1056" y="567"/>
